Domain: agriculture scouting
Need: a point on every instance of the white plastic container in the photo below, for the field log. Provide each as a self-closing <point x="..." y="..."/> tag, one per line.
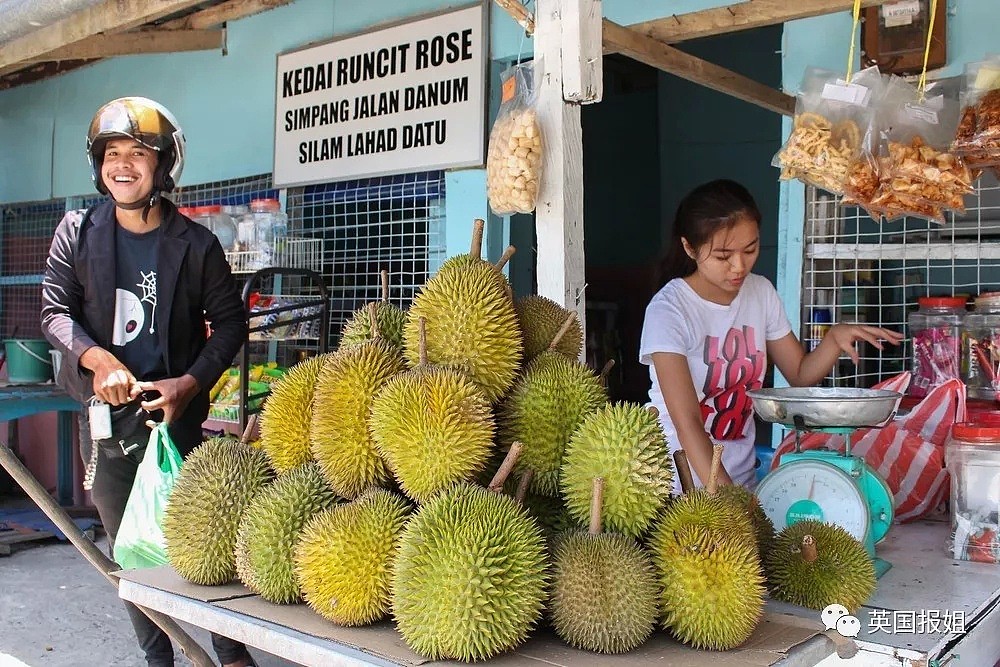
<point x="972" y="456"/>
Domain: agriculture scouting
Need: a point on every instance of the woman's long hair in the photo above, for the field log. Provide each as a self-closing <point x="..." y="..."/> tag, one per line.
<point x="704" y="211"/>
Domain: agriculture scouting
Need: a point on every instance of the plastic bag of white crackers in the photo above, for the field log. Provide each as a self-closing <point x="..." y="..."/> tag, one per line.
<point x="514" y="156"/>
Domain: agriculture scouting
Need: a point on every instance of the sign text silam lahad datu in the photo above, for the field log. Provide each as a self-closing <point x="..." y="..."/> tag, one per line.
<point x="410" y="97"/>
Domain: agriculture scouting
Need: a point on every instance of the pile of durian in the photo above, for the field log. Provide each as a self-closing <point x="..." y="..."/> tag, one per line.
<point x="457" y="468"/>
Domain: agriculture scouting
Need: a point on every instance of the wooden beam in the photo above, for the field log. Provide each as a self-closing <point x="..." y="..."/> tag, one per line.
<point x="106" y="16"/>
<point x="583" y="74"/>
<point x="674" y="61"/>
<point x="559" y="210"/>
<point x="132" y="43"/>
<point x="741" y="16"/>
<point x="222" y="13"/>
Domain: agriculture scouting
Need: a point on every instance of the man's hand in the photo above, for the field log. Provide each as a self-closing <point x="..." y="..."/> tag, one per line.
<point x="113" y="383"/>
<point x="175" y="394"/>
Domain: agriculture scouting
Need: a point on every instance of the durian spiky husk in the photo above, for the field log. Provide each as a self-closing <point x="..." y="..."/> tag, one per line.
<point x="339" y="438"/>
<point x="763" y="527"/>
<point x="717" y="513"/>
<point x="389" y="320"/>
<point x="624" y="444"/>
<point x="604" y="592"/>
<point x="540" y="319"/>
<point x="465" y="260"/>
<point x="433" y="427"/>
<point x="842" y="573"/>
<point x="217" y="482"/>
<point x="270" y="528"/>
<point x="287" y="413"/>
<point x="471" y="325"/>
<point x="469" y="579"/>
<point x="547" y="404"/>
<point x="713" y="588"/>
<point x="345" y="554"/>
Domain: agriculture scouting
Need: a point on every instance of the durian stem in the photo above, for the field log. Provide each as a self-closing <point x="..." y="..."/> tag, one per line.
<point x="683" y="470"/>
<point x="523" y="485"/>
<point x="476" y="249"/>
<point x="809" y="553"/>
<point x="713" y="475"/>
<point x="653" y="411"/>
<point x="596" y="505"/>
<point x="506" y="467"/>
<point x="505" y="257"/>
<point x="567" y="323"/>
<point x="422" y="345"/>
<point x="385" y="286"/>
<point x="606" y="371"/>
<point x="248" y="431"/>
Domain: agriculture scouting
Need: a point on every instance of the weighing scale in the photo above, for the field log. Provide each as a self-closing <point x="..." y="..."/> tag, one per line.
<point x="825" y="485"/>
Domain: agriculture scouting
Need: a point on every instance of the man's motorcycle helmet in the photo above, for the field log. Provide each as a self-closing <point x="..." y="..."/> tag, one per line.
<point x="147" y="122"/>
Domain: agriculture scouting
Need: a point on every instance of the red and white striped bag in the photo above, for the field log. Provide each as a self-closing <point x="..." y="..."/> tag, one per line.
<point x="908" y="453"/>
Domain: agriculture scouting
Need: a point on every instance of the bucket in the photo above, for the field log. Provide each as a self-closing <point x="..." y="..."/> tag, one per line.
<point x="28" y="361"/>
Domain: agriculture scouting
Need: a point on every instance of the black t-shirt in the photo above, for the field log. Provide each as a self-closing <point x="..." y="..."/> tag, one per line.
<point x="135" y="339"/>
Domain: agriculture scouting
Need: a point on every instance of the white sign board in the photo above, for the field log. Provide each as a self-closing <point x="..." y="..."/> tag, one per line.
<point x="410" y="97"/>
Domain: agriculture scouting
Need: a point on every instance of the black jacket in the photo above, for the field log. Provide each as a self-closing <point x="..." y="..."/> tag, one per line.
<point x="194" y="284"/>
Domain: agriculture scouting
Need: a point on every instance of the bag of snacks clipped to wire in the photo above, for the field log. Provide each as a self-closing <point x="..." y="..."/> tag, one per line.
<point x="918" y="171"/>
<point x="514" y="156"/>
<point x="862" y="184"/>
<point x="830" y="113"/>
<point x="977" y="138"/>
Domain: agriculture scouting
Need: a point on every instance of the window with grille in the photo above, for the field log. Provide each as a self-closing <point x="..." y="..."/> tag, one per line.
<point x="858" y="270"/>
<point x="394" y="223"/>
<point x="25" y="236"/>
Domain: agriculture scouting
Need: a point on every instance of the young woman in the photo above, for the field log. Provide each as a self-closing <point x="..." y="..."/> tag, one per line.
<point x="709" y="332"/>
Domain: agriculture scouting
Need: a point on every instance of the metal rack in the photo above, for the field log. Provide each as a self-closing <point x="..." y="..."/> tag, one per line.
<point x="864" y="271"/>
<point x="309" y="303"/>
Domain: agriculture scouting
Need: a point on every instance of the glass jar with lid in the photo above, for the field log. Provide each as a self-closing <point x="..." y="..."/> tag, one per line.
<point x="270" y="230"/>
<point x="981" y="347"/>
<point x="935" y="332"/>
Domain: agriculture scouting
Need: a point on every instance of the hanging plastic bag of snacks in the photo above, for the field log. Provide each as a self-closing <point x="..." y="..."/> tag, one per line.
<point x="977" y="138"/>
<point x="862" y="184"/>
<point x="514" y="156"/>
<point x="830" y="113"/>
<point x="918" y="173"/>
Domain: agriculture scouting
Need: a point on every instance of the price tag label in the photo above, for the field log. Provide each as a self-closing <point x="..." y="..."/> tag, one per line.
<point x="896" y="14"/>
<point x="849" y="93"/>
<point x="922" y="112"/>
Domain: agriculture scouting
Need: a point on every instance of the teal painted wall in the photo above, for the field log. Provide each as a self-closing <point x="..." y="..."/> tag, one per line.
<point x="823" y="42"/>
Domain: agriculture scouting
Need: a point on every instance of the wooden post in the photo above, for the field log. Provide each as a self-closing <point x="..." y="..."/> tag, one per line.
<point x="559" y="213"/>
<point x="583" y="69"/>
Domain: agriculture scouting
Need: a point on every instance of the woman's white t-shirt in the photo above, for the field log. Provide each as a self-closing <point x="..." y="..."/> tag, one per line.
<point x="726" y="351"/>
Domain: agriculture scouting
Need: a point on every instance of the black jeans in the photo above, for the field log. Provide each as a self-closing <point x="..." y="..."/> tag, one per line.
<point x="112" y="485"/>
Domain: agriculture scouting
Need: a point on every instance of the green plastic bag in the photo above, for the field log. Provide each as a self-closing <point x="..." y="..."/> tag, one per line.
<point x="140" y="541"/>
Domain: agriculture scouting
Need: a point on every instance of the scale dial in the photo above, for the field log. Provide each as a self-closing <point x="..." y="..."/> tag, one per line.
<point x="807" y="489"/>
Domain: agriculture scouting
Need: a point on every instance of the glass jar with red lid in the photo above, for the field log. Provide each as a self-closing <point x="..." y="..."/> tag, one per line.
<point x="935" y="333"/>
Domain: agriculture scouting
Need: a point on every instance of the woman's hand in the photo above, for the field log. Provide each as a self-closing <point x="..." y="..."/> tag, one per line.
<point x="175" y="394"/>
<point x="844" y="336"/>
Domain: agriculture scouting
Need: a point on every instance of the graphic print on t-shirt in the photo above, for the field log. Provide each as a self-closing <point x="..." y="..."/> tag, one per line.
<point x="733" y="369"/>
<point x="130" y="310"/>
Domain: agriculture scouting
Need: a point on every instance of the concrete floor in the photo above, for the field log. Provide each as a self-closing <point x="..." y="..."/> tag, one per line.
<point x="56" y="610"/>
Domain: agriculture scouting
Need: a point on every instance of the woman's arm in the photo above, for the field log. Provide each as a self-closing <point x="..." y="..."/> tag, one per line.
<point x="803" y="370"/>
<point x="677" y="387"/>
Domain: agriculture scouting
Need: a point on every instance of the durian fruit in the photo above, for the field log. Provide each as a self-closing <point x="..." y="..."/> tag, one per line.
<point x="287" y="413"/>
<point x="624" y="444"/>
<point x="471" y="325"/>
<point x="547" y="404"/>
<point x="540" y="319"/>
<point x="388" y="320"/>
<point x="815" y="564"/>
<point x="763" y="527"/>
<point x="345" y="554"/>
<point x="339" y="437"/>
<point x="217" y="482"/>
<point x="270" y="528"/>
<point x="474" y="258"/>
<point x="432" y="426"/>
<point x="604" y="589"/>
<point x="469" y="580"/>
<point x="712" y="586"/>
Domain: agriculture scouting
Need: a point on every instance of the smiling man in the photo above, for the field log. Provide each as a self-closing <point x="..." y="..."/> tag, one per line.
<point x="128" y="287"/>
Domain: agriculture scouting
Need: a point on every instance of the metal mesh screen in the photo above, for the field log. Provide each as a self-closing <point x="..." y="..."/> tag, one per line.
<point x="25" y="236"/>
<point x="857" y="270"/>
<point x="394" y="223"/>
